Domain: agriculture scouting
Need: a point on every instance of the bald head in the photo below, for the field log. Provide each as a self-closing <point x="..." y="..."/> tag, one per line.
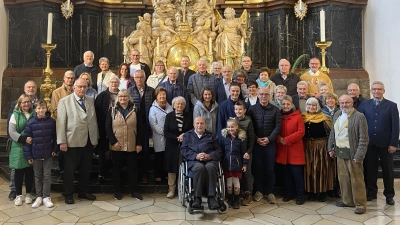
<point x="172" y="74"/>
<point x="284" y="66"/>
<point x="346" y="103"/>
<point x="353" y="90"/>
<point x="227" y="73"/>
<point x="199" y="125"/>
<point x="246" y="62"/>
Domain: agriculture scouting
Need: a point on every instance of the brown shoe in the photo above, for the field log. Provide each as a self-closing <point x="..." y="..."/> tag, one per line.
<point x="359" y="211"/>
<point x="247" y="199"/>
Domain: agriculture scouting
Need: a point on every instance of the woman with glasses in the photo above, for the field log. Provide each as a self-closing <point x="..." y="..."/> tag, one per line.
<point x="159" y="76"/>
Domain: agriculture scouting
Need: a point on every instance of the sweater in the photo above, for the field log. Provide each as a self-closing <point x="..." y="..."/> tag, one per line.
<point x="209" y="115"/>
<point x="196" y="83"/>
<point x="81" y="68"/>
<point x="290" y="82"/>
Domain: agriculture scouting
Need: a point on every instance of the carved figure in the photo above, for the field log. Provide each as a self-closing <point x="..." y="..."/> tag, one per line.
<point x="133" y="42"/>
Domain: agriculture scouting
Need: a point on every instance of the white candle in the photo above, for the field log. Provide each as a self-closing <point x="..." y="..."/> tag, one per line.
<point x="158" y="46"/>
<point x="322" y="24"/>
<point x="124" y="43"/>
<point x="301" y="5"/>
<point x="226" y="45"/>
<point x="140" y="44"/>
<point x="242" y="46"/>
<point x="210" y="45"/>
<point x="49" y="28"/>
<point x="68" y="3"/>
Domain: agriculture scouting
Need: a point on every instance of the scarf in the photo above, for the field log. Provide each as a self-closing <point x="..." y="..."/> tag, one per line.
<point x="263" y="84"/>
<point x="316" y="118"/>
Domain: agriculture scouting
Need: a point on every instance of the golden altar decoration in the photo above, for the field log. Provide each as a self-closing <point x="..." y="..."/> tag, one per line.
<point x="193" y="28"/>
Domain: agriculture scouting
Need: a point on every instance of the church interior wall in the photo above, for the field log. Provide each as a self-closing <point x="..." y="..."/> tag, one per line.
<point x="3" y="41"/>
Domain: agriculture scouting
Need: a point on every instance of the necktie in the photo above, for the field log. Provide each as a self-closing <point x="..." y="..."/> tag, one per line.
<point x="82" y="104"/>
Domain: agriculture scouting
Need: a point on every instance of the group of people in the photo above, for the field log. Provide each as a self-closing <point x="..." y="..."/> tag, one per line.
<point x="249" y="121"/>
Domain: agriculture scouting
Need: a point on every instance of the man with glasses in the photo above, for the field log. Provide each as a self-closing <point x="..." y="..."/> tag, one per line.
<point x="383" y="130"/>
<point x="247" y="66"/>
<point x="143" y="96"/>
<point x="348" y="142"/>
<point x="314" y="77"/>
<point x="285" y="78"/>
<point x="77" y="135"/>
<point x="267" y="124"/>
<point x="216" y="70"/>
<point x="137" y="65"/>
<point x="221" y="88"/>
<point x="354" y="91"/>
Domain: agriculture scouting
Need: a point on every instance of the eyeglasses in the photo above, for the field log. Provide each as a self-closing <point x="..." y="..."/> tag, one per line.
<point x="159" y="65"/>
<point x="138" y="77"/>
<point x="26" y="103"/>
<point x="135" y="55"/>
<point x="81" y="87"/>
<point x="263" y="94"/>
<point x="376" y="89"/>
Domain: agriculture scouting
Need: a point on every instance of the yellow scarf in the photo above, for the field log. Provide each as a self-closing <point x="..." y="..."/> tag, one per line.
<point x="316" y="118"/>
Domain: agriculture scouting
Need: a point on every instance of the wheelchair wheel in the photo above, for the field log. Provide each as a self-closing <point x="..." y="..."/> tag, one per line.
<point x="181" y="185"/>
<point x="223" y="208"/>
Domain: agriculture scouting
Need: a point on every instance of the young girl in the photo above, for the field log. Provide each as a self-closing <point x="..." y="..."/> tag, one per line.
<point x="234" y="147"/>
<point x="42" y="129"/>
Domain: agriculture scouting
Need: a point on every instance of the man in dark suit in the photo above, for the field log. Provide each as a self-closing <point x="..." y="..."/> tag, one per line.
<point x="383" y="129"/>
<point x="137" y="65"/>
<point x="221" y="88"/>
<point x="247" y="66"/>
<point x="285" y="78"/>
<point x="174" y="89"/>
<point x="77" y="135"/>
<point x="299" y="100"/>
<point x="184" y="72"/>
<point x="88" y="67"/>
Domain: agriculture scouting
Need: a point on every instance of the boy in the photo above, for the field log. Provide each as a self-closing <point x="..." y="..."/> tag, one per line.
<point x="42" y="129"/>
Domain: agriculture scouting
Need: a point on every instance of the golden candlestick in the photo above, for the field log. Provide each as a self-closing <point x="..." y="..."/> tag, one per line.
<point x="323" y="46"/>
<point x="47" y="87"/>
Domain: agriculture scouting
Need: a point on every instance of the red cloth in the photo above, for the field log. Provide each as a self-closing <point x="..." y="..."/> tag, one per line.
<point x="292" y="133"/>
<point x="228" y="174"/>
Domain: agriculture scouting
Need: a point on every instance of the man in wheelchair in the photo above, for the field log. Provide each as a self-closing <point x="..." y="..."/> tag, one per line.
<point x="202" y="153"/>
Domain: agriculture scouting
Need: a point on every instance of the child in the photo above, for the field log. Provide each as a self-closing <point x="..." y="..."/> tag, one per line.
<point x="42" y="129"/>
<point x="234" y="147"/>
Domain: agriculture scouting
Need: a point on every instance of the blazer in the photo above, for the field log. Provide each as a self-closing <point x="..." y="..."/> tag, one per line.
<point x="296" y="100"/>
<point x="184" y="79"/>
<point x="74" y="124"/>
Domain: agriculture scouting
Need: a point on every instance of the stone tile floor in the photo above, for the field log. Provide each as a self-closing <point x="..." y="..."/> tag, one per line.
<point x="157" y="209"/>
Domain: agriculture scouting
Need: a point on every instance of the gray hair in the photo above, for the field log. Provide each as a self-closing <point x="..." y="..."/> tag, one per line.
<point x="125" y="92"/>
<point x="278" y="87"/>
<point x="69" y="72"/>
<point x="302" y="83"/>
<point x="202" y="60"/>
<point x="87" y="53"/>
<point x="104" y="59"/>
<point x="358" y="87"/>
<point x="112" y="78"/>
<point x="323" y="84"/>
<point x="141" y="71"/>
<point x="177" y="99"/>
<point x="216" y="64"/>
<point x="378" y="82"/>
<point x="313" y="101"/>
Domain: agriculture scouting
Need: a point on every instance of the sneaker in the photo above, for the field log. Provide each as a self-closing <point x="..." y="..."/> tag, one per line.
<point x="258" y="196"/>
<point x="47" y="202"/>
<point x="28" y="199"/>
<point x="18" y="200"/>
<point x="271" y="199"/>
<point x="247" y="199"/>
<point x="171" y="194"/>
<point x="12" y="195"/>
<point x="137" y="195"/>
<point x="37" y="203"/>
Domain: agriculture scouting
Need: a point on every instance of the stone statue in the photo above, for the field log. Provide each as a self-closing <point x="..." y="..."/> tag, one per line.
<point x="140" y="40"/>
<point x="228" y="44"/>
<point x="200" y="35"/>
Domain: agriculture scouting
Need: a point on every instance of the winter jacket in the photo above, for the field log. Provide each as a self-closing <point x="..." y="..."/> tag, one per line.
<point x="233" y="150"/>
<point x="267" y="121"/>
<point x="247" y="125"/>
<point x="290" y="82"/>
<point x="157" y="119"/>
<point x="209" y="116"/>
<point x="44" y="137"/>
<point x="196" y="83"/>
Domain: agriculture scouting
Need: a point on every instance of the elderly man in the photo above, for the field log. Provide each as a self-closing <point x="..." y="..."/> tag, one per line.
<point x="216" y="71"/>
<point x="143" y="97"/>
<point x="184" y="72"/>
<point x="383" y="130"/>
<point x="221" y="88"/>
<point x="30" y="89"/>
<point x="202" y="152"/>
<point x="247" y="66"/>
<point x="199" y="80"/>
<point x="314" y="77"/>
<point x="285" y="78"/>
<point x="174" y="89"/>
<point x="77" y="135"/>
<point x="267" y="123"/>
<point x="348" y="141"/>
<point x="354" y="91"/>
<point x="137" y="65"/>
<point x="299" y="100"/>
<point x="61" y="92"/>
<point x="88" y="67"/>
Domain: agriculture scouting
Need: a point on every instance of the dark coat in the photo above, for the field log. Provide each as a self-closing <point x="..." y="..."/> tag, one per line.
<point x="267" y="121"/>
<point x="193" y="145"/>
<point x="81" y="68"/>
<point x="184" y="79"/>
<point x="290" y="83"/>
<point x="296" y="101"/>
<point x="178" y="90"/>
<point x="143" y="105"/>
<point x="44" y="138"/>
<point x="172" y="145"/>
<point x="357" y="102"/>
<point x="234" y="151"/>
<point x="101" y="105"/>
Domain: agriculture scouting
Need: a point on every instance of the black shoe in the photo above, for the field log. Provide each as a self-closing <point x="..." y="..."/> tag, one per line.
<point x="322" y="197"/>
<point x="330" y="193"/>
<point x="300" y="200"/>
<point x="69" y="199"/>
<point x="236" y="204"/>
<point x="212" y="203"/>
<point x="101" y="180"/>
<point x="12" y="195"/>
<point x="389" y="201"/>
<point x="312" y="197"/>
<point x="287" y="198"/>
<point x="196" y="203"/>
<point x="137" y="195"/>
<point x="117" y="196"/>
<point x="230" y="200"/>
<point x="87" y="196"/>
<point x="371" y="197"/>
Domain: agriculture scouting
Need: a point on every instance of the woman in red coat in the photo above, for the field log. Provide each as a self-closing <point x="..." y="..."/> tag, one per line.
<point x="290" y="151"/>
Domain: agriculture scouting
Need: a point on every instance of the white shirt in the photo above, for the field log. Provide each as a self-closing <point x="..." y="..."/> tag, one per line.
<point x="313" y="74"/>
<point x="133" y="68"/>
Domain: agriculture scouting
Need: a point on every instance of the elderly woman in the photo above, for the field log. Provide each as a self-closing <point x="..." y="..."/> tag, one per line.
<point x="103" y="78"/>
<point x="290" y="151"/>
<point x="319" y="169"/>
<point x="280" y="91"/>
<point x="123" y="127"/>
<point x="157" y="114"/>
<point x="330" y="102"/>
<point x="208" y="109"/>
<point x="90" y="91"/>
<point x="104" y="101"/>
<point x="264" y="82"/>
<point x="176" y="124"/>
<point x="159" y="76"/>
<point x="216" y="70"/>
<point x="22" y="114"/>
<point x="124" y="77"/>
<point x="252" y="87"/>
<point x="240" y="77"/>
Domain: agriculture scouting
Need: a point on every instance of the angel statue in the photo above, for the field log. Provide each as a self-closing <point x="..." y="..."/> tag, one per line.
<point x="229" y="44"/>
<point x="140" y="40"/>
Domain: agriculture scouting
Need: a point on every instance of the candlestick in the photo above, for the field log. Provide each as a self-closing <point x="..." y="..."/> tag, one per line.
<point x="242" y="46"/>
<point x="140" y="44"/>
<point x="226" y="45"/>
<point x="49" y="28"/>
<point x="158" y="46"/>
<point x="47" y="87"/>
<point x="68" y="3"/>
<point x="322" y="24"/>
<point x="323" y="46"/>
<point x="209" y="45"/>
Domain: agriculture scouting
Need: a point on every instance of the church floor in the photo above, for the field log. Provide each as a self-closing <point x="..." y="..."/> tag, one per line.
<point x="157" y="209"/>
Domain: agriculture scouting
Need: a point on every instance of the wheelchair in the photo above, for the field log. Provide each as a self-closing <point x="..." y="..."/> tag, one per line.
<point x="186" y="189"/>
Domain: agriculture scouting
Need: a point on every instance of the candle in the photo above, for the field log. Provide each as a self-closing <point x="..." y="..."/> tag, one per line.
<point x="49" y="28"/>
<point x="226" y="45"/>
<point x="301" y="5"/>
<point x="210" y="45"/>
<point x="242" y="46"/>
<point x="322" y="24"/>
<point x="140" y="44"/>
<point x="125" y="46"/>
<point x="68" y="3"/>
<point x="158" y="46"/>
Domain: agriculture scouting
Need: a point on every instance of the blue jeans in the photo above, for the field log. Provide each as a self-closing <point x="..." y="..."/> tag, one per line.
<point x="263" y="168"/>
<point x="12" y="180"/>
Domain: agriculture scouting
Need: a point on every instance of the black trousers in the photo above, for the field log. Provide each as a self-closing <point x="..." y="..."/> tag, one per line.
<point x="159" y="165"/>
<point x="204" y="173"/>
<point x="131" y="161"/>
<point x="371" y="162"/>
<point x="19" y="178"/>
<point x="104" y="162"/>
<point x="74" y="157"/>
<point x="294" y="180"/>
